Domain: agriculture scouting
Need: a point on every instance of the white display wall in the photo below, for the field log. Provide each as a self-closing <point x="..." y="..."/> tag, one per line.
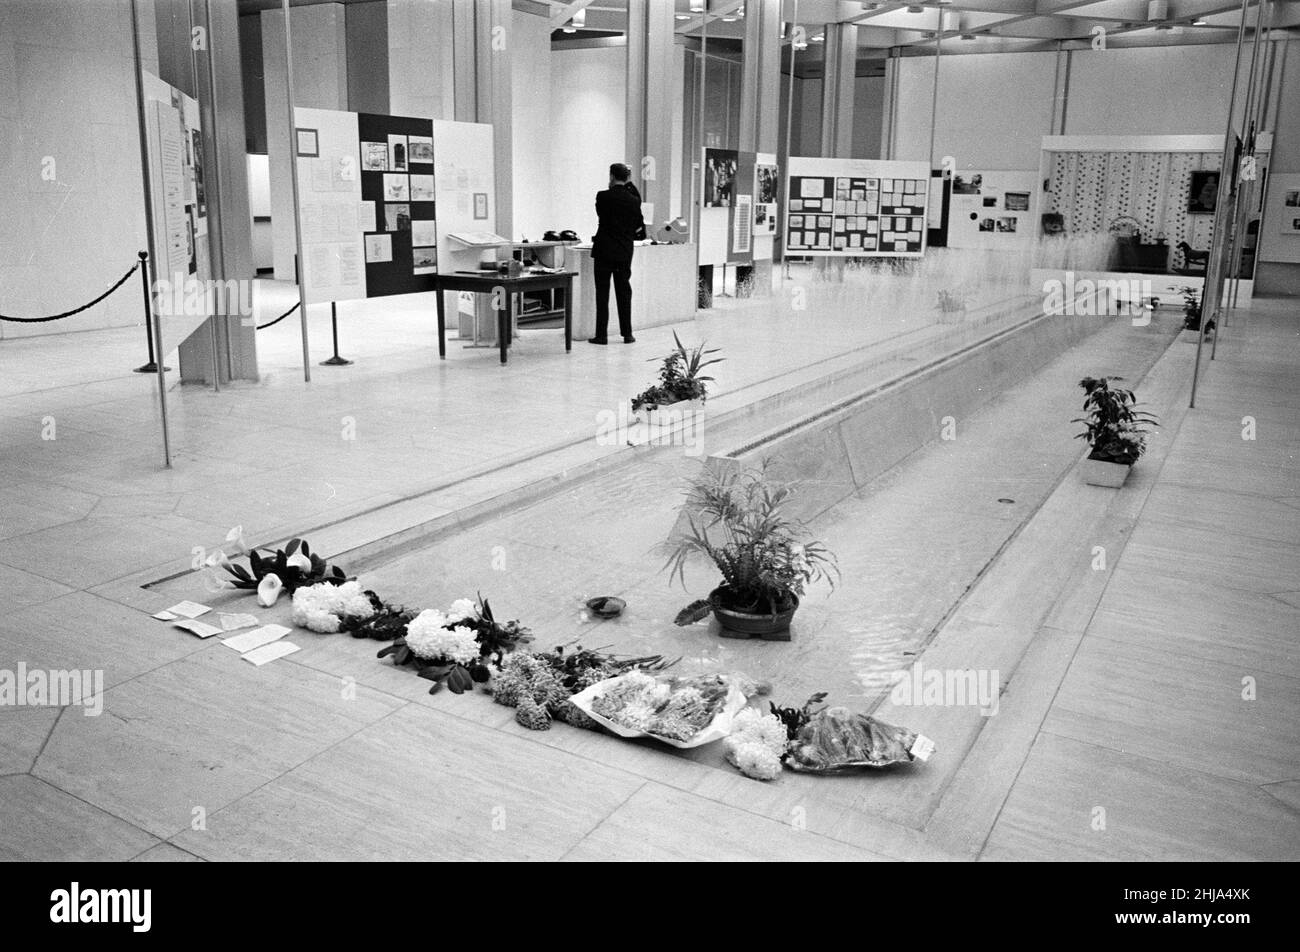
<point x="993" y="210"/>
<point x="856" y="207"/>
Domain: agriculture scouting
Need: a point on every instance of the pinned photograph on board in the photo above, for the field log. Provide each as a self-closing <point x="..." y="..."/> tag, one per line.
<point x="425" y="260"/>
<point x="421" y="188"/>
<point x="424" y="233"/>
<point x="766" y="177"/>
<point x="379" y="248"/>
<point x="986" y="224"/>
<point x="1016" y="201"/>
<point x="480" y="206"/>
<point x="1292" y="198"/>
<point x="419" y="150"/>
<point x="990" y="201"/>
<point x="720" y="177"/>
<point x="374" y="156"/>
<point x="397" y="217"/>
<point x="1006" y="224"/>
<point x="397" y="188"/>
<point x="397" y="153"/>
<point x="967" y="186"/>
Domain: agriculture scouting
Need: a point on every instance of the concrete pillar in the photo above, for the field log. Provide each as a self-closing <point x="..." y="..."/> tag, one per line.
<point x="482" y="57"/>
<point x="198" y="53"/>
<point x="837" y="89"/>
<point x="651" y="68"/>
<point x="421" y="65"/>
<point x="760" y="93"/>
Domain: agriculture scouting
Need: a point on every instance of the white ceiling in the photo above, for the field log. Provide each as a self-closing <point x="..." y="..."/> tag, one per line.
<point x="969" y="26"/>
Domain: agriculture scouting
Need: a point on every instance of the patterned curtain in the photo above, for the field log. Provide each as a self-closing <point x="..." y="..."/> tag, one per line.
<point x="1095" y="191"/>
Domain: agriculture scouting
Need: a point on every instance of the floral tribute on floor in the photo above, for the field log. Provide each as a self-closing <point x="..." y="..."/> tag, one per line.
<point x="465" y="645"/>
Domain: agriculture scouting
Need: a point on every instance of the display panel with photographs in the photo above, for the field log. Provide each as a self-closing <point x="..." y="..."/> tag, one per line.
<point x="856" y="214"/>
<point x="397" y="175"/>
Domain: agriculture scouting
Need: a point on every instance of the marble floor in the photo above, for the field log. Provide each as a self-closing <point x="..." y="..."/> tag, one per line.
<point x="1098" y="750"/>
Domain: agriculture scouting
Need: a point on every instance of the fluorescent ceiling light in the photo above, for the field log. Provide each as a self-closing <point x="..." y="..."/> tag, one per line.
<point x="580" y="19"/>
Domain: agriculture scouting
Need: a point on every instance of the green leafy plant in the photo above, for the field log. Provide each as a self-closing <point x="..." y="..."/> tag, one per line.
<point x="680" y="377"/>
<point x="766" y="557"/>
<point x="294" y="565"/>
<point x="1114" y="427"/>
<point x="1192" y="309"/>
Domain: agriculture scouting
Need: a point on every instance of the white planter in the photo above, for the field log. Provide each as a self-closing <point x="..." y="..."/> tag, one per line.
<point x="1100" y="472"/>
<point x="669" y="415"/>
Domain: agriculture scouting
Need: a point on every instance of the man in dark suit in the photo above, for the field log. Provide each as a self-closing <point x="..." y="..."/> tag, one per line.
<point x="619" y="211"/>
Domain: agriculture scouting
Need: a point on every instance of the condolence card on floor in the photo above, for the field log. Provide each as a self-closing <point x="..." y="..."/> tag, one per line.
<point x="183" y="610"/>
<point x="235" y="622"/>
<point x="256" y="638"/>
<point x="200" y="628"/>
<point x="276" y="649"/>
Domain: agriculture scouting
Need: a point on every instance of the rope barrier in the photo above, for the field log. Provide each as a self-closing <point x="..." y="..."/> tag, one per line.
<point x="58" y="317"/>
<point x="262" y="327"/>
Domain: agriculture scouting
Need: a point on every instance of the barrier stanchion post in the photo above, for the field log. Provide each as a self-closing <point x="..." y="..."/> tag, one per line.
<point x="336" y="360"/>
<point x="152" y="366"/>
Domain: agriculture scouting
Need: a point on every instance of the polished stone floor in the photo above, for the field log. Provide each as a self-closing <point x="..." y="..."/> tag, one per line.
<point x="1122" y="731"/>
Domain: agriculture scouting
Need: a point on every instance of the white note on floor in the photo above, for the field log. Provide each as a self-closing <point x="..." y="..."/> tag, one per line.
<point x="165" y="616"/>
<point x="256" y="638"/>
<point x="186" y="610"/>
<point x="234" y="622"/>
<point x="200" y="628"/>
<point x="266" y="653"/>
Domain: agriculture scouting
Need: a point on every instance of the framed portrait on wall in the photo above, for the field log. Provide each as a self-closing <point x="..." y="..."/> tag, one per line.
<point x="1203" y="193"/>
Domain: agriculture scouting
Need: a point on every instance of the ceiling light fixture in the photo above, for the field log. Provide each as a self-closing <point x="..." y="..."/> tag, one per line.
<point x="681" y="16"/>
<point x="818" y="38"/>
<point x="916" y="8"/>
<point x="697" y="6"/>
<point x="1199" y="21"/>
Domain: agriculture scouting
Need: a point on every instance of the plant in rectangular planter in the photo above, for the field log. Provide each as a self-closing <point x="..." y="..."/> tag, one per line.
<point x="766" y="557"/>
<point x="680" y="380"/>
<point x="1114" y="428"/>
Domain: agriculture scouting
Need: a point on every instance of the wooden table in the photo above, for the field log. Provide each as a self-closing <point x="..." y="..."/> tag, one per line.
<point x="489" y="282"/>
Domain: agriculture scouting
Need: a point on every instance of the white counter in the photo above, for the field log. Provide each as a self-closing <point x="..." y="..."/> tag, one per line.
<point x="663" y="288"/>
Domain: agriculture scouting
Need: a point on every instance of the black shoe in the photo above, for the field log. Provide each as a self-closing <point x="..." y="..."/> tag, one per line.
<point x="629" y="340"/>
<point x="597" y="340"/>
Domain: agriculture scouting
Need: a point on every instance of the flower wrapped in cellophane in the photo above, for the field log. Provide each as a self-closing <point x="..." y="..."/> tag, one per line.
<point x="683" y="711"/>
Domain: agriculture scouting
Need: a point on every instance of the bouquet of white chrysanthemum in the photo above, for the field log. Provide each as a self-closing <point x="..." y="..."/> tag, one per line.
<point x="327" y="608"/>
<point x="430" y="639"/>
<point x="756" y="743"/>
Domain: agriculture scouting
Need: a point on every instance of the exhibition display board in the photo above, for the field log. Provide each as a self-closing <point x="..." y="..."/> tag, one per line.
<point x="738" y="207"/>
<point x="856" y="207"/>
<point x="993" y="209"/>
<point x="366" y="204"/>
<point x="175" y="149"/>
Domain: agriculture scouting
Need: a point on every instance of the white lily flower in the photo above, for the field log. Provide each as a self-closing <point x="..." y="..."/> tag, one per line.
<point x="269" y="589"/>
<point x="299" y="561"/>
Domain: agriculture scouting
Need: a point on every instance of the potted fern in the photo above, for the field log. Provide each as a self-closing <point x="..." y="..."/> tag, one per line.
<point x="681" y="381"/>
<point x="766" y="557"/>
<point x="1114" y="428"/>
<point x="1192" y="315"/>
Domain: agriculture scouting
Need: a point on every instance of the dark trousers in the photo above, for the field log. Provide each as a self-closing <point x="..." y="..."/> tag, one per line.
<point x="621" y="273"/>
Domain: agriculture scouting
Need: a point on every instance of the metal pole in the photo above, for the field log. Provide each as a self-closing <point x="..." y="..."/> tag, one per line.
<point x="1209" y="295"/>
<point x="301" y="270"/>
<point x="336" y="360"/>
<point x="789" y="124"/>
<point x="151" y="367"/>
<point x="934" y="95"/>
<point x="149" y="227"/>
<point x="699" y="154"/>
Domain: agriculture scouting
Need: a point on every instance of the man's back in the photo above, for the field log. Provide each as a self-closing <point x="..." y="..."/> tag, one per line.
<point x="619" y="211"/>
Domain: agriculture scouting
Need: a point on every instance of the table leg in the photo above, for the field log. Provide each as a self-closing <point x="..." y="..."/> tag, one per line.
<point x="442" y="326"/>
<point x="568" y="316"/>
<point x="503" y="326"/>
